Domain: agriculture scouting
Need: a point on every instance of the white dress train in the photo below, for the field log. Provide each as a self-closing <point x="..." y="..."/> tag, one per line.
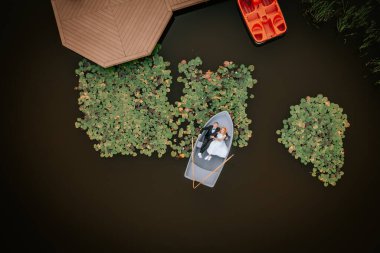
<point x="218" y="148"/>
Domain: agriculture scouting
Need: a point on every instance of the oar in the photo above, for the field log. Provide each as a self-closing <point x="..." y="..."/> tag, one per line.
<point x="212" y="172"/>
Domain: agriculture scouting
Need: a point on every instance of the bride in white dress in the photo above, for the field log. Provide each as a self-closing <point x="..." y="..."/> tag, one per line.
<point x="218" y="147"/>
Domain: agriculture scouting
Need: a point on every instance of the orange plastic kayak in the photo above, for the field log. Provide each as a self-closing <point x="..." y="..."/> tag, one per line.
<point x="264" y="19"/>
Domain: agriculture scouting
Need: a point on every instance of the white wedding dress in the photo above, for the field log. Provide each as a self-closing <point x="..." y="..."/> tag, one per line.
<point x="218" y="148"/>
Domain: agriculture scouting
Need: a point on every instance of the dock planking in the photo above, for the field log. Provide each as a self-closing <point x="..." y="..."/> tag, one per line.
<point x="111" y="32"/>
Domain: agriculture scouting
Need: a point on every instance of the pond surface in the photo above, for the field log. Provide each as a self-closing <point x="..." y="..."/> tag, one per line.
<point x="59" y="195"/>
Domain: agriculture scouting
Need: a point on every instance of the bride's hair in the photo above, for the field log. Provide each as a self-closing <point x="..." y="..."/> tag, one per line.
<point x="225" y="130"/>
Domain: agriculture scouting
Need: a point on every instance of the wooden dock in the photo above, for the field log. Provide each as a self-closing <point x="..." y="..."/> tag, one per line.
<point x="180" y="4"/>
<point x="110" y="32"/>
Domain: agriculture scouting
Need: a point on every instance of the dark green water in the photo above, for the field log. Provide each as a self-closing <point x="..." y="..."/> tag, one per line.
<point x="60" y="196"/>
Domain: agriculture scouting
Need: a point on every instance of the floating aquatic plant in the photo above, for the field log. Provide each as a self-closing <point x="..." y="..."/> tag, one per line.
<point x="314" y="134"/>
<point x="207" y="93"/>
<point x="126" y="109"/>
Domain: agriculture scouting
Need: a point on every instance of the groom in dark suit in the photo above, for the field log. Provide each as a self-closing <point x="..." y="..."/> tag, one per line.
<point x="211" y="133"/>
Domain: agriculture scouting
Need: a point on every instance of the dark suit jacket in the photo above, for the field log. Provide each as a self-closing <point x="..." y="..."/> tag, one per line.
<point x="209" y="133"/>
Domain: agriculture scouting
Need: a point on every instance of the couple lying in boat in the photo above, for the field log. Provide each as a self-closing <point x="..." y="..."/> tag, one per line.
<point x="213" y="142"/>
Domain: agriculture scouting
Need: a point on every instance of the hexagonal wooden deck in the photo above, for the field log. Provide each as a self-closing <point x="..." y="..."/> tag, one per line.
<point x="110" y="32"/>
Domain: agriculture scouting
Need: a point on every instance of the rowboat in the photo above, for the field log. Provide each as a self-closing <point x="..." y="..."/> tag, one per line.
<point x="263" y="18"/>
<point x="203" y="171"/>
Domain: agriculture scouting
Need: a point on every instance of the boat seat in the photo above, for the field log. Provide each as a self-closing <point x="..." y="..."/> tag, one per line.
<point x="252" y="16"/>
